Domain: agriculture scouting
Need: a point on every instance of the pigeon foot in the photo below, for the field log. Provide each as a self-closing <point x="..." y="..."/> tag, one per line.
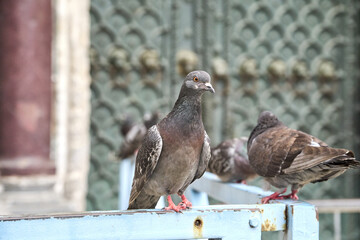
<point x="242" y="182"/>
<point x="185" y="204"/>
<point x="172" y="206"/>
<point x="274" y="196"/>
<point x="292" y="195"/>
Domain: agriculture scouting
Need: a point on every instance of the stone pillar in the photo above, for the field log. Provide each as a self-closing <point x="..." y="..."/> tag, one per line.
<point x="71" y="98"/>
<point x="25" y="87"/>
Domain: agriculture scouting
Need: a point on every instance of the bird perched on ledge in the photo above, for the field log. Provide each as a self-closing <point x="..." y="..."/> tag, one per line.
<point x="285" y="156"/>
<point x="229" y="161"/>
<point x="174" y="152"/>
<point x="134" y="133"/>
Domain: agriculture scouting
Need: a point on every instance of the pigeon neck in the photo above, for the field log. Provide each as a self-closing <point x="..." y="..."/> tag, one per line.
<point x="189" y="92"/>
<point x="259" y="129"/>
<point x="189" y="98"/>
<point x="189" y="104"/>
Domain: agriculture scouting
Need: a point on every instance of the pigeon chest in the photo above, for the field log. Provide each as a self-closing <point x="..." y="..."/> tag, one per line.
<point x="178" y="162"/>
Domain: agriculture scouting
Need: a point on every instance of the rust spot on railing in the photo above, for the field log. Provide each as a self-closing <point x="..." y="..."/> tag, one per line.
<point x="268" y="225"/>
<point x="198" y="227"/>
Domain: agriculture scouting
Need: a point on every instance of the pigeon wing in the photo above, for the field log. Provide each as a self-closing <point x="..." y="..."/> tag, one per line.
<point x="267" y="152"/>
<point x="204" y="157"/>
<point x="146" y="160"/>
<point x="220" y="160"/>
<point x="311" y="156"/>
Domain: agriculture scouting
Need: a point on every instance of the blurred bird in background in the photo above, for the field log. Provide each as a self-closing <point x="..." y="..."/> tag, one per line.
<point x="134" y="133"/>
<point x="229" y="161"/>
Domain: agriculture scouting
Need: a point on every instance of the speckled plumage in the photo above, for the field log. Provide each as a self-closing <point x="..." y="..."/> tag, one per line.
<point x="229" y="161"/>
<point x="285" y="156"/>
<point x="175" y="152"/>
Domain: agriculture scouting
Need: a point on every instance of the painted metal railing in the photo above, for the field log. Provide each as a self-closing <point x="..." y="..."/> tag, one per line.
<point x="221" y="221"/>
<point x="337" y="207"/>
<point x="298" y="220"/>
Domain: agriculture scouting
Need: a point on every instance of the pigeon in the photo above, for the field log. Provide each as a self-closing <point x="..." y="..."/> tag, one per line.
<point x="134" y="134"/>
<point x="150" y="119"/>
<point x="175" y="152"/>
<point x="229" y="161"/>
<point x="284" y="156"/>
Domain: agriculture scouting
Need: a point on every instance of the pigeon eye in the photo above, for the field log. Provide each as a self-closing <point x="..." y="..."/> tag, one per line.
<point x="196" y="79"/>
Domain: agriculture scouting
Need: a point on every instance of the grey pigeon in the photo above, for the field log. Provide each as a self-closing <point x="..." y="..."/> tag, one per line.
<point x="285" y="156"/>
<point x="134" y="133"/>
<point x="176" y="151"/>
<point x="229" y="161"/>
<point x="150" y="119"/>
<point x="126" y="125"/>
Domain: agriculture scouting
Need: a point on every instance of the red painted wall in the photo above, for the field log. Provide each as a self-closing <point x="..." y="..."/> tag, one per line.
<point x="25" y="87"/>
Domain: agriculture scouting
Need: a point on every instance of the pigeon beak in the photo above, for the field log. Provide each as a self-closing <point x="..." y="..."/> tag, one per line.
<point x="209" y="87"/>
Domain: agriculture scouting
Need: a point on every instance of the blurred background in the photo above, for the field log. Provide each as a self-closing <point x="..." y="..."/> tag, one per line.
<point x="71" y="71"/>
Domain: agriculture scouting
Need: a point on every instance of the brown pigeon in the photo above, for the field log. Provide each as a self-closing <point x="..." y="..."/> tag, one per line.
<point x="176" y="151"/>
<point x="229" y="161"/>
<point x="134" y="134"/>
<point x="285" y="156"/>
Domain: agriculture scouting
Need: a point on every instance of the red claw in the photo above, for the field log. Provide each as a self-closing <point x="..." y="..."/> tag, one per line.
<point x="185" y="204"/>
<point x="172" y="206"/>
<point x="292" y="195"/>
<point x="274" y="196"/>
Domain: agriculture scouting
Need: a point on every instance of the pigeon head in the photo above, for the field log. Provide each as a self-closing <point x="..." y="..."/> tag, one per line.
<point x="151" y="119"/>
<point x="126" y="124"/>
<point x="268" y="119"/>
<point x="198" y="82"/>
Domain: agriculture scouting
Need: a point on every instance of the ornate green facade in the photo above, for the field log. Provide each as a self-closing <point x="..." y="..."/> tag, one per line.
<point x="299" y="59"/>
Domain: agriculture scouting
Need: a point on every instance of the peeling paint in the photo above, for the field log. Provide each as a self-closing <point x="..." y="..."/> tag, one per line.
<point x="268" y="225"/>
<point x="198" y="227"/>
<point x="256" y="210"/>
<point x="317" y="214"/>
<point x="79" y="215"/>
